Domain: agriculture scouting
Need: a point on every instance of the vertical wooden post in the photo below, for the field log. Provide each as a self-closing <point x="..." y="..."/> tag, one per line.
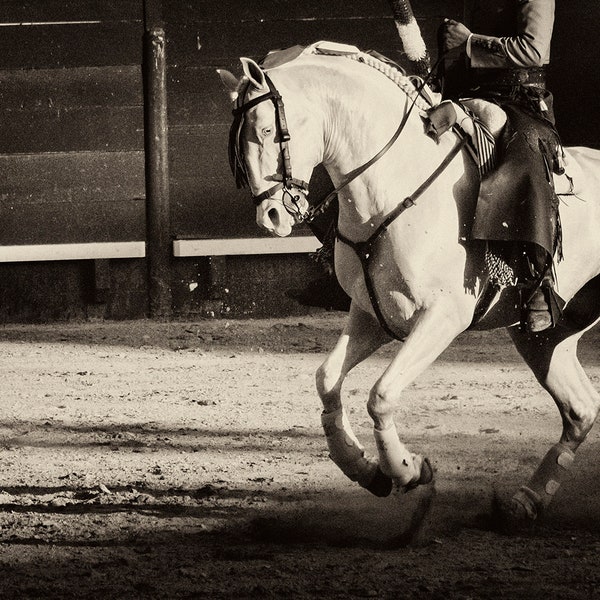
<point x="158" y="219"/>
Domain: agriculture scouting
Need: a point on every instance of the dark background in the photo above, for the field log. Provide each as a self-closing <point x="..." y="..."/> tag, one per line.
<point x="72" y="138"/>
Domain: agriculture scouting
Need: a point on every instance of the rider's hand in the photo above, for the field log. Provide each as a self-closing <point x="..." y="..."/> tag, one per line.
<point x="455" y="34"/>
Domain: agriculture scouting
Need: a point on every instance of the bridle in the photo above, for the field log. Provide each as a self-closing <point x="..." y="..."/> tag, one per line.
<point x="286" y="182"/>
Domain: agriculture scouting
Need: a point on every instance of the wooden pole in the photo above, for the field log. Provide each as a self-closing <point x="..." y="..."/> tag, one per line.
<point x="158" y="219"/>
<point x="410" y="35"/>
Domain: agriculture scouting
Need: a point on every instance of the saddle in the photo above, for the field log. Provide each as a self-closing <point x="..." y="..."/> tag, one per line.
<point x="494" y="119"/>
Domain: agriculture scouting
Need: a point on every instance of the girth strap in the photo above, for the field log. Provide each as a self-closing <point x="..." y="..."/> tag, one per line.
<point x="365" y="250"/>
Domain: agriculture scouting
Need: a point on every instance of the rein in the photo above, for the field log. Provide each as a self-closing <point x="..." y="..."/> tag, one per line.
<point x="323" y="205"/>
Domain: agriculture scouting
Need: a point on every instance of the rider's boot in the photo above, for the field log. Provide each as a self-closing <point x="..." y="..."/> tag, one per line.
<point x="539" y="316"/>
<point x="539" y="291"/>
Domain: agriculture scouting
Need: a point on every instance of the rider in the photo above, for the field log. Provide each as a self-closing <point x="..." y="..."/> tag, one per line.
<point x="508" y="67"/>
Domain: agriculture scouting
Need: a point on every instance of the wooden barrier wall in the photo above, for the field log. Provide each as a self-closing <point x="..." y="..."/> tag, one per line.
<point x="72" y="140"/>
<point x="71" y="122"/>
<point x="71" y="154"/>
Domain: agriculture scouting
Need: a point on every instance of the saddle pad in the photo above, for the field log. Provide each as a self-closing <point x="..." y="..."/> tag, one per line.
<point x="276" y="58"/>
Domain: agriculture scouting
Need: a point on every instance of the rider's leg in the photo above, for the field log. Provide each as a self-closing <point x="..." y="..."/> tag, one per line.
<point x="360" y="338"/>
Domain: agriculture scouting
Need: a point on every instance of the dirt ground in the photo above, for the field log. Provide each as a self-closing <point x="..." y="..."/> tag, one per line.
<point x="186" y="460"/>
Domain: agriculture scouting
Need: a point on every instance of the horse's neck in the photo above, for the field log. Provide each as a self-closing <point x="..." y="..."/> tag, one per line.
<point x="364" y="109"/>
<point x="362" y="119"/>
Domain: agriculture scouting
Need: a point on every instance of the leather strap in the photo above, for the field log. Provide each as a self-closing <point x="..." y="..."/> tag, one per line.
<point x="285" y="181"/>
<point x="365" y="250"/>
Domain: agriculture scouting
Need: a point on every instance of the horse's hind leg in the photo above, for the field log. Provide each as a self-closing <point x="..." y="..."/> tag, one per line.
<point x="552" y="356"/>
<point x="361" y="337"/>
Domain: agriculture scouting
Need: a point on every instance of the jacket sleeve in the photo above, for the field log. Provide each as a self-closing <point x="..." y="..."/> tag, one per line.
<point x="530" y="47"/>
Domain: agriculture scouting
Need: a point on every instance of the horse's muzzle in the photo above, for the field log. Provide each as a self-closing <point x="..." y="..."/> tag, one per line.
<point x="279" y="215"/>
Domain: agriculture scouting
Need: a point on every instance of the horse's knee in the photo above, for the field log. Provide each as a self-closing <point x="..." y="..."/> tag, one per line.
<point x="579" y="410"/>
<point x="577" y="422"/>
<point x="380" y="406"/>
<point x="576" y="397"/>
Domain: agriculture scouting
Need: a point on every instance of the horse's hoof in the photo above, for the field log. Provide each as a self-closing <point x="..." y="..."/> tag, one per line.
<point x="381" y="484"/>
<point x="512" y="517"/>
<point x="425" y="477"/>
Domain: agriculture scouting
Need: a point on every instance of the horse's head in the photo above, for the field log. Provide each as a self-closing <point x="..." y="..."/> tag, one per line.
<point x="259" y="148"/>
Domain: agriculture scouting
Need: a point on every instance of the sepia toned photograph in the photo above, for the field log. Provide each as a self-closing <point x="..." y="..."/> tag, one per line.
<point x="299" y="300"/>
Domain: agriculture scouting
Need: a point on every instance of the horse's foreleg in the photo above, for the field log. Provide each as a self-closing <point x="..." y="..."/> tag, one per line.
<point x="552" y="356"/>
<point x="360" y="338"/>
<point x="432" y="333"/>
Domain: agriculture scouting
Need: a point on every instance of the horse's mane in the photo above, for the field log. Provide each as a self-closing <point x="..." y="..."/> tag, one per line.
<point x="412" y="85"/>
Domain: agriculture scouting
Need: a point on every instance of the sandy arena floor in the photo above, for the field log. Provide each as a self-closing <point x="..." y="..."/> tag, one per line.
<point x="186" y="460"/>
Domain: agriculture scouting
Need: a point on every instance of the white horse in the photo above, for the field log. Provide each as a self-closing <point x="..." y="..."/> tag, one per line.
<point x="420" y="279"/>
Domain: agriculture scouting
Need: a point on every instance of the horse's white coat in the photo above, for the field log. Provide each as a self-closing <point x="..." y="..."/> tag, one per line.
<point x="340" y="113"/>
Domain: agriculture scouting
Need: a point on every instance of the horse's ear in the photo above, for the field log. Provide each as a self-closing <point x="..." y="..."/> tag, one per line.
<point x="254" y="73"/>
<point x="230" y="82"/>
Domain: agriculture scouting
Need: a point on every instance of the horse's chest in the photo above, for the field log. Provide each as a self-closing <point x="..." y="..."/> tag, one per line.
<point x="377" y="284"/>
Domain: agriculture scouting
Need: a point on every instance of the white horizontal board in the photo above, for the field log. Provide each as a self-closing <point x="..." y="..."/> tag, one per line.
<point x="242" y="246"/>
<point x="47" y="252"/>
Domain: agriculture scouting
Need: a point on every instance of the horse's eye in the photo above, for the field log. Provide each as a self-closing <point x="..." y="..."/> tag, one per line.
<point x="267" y="131"/>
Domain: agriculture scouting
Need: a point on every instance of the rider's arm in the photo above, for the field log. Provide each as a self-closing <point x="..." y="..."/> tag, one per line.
<point x="530" y="47"/>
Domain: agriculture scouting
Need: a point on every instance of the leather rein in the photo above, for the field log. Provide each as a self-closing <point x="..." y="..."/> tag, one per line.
<point x="364" y="250"/>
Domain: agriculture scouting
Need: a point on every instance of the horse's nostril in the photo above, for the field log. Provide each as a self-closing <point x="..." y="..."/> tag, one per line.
<point x="274" y="216"/>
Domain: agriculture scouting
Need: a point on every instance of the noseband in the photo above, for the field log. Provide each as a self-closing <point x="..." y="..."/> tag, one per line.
<point x="286" y="181"/>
